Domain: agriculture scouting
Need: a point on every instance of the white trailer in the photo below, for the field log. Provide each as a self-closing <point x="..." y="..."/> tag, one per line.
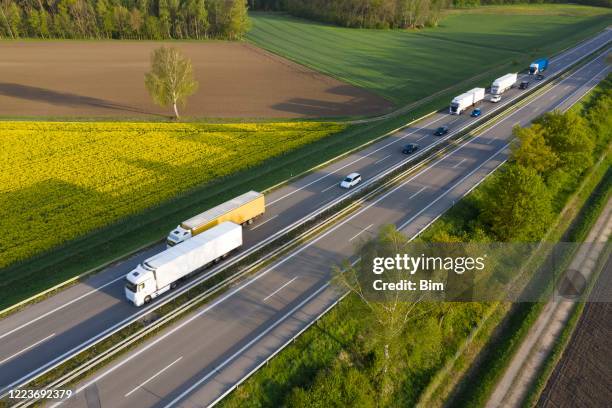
<point x="162" y="272"/>
<point x="465" y="100"/>
<point x="502" y="84"/>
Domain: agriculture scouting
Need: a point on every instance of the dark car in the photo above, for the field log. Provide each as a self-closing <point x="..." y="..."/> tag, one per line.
<point x="524" y="85"/>
<point x="441" y="131"/>
<point x="475" y="113"/>
<point x="410" y="148"/>
<point x="539" y="77"/>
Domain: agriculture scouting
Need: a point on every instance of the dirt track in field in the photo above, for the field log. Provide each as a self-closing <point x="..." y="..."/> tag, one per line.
<point x="583" y="376"/>
<point x="106" y="78"/>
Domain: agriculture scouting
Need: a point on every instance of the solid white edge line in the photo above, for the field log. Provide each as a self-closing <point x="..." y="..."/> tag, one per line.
<point x="153" y="376"/>
<point x="97" y="289"/>
<point x="272" y="202"/>
<point x="249" y="344"/>
<point x="594" y="78"/>
<point x="27" y="348"/>
<point x="356" y="160"/>
<point x="301" y="249"/>
<point x="423" y="170"/>
<point x="451" y="188"/>
<point x="279" y="289"/>
<point x="202" y="380"/>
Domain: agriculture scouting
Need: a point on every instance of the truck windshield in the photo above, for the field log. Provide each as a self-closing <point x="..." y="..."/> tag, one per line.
<point x="130" y="286"/>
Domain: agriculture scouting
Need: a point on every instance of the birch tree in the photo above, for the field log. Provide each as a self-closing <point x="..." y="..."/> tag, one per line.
<point x="170" y="80"/>
<point x="389" y="312"/>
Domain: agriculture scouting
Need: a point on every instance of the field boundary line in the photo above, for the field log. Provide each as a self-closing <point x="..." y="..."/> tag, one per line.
<point x="67" y="283"/>
<point x="449" y="149"/>
<point x="461" y="135"/>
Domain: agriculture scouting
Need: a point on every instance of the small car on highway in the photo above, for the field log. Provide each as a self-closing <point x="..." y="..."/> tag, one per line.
<point x="410" y="148"/>
<point x="475" y="113"/>
<point x="441" y="131"/>
<point x="351" y="180"/>
<point x="524" y="85"/>
<point x="495" y="98"/>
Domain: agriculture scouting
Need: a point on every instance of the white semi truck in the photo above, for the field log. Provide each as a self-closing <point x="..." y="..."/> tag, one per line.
<point x="163" y="271"/>
<point x="502" y="84"/>
<point x="465" y="100"/>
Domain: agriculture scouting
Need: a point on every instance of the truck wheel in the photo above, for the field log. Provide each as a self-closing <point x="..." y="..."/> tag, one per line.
<point x="147" y="300"/>
<point x="172" y="285"/>
<point x="250" y="221"/>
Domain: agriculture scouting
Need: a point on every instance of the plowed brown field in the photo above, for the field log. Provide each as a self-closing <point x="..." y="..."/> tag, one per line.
<point x="106" y="78"/>
<point x="583" y="376"/>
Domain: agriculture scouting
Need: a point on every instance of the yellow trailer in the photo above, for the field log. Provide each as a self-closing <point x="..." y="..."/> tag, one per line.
<point x="241" y="210"/>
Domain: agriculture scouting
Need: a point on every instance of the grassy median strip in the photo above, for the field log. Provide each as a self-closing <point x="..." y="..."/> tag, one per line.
<point x="216" y="284"/>
<point x="200" y="294"/>
<point x="134" y="334"/>
<point x="327" y="364"/>
<point x="115" y="240"/>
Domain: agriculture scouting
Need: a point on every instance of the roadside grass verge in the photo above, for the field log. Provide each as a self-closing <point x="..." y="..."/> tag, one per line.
<point x="573" y="224"/>
<point x="475" y="389"/>
<point x="328" y="358"/>
<point x="405" y="66"/>
<point x="89" y="252"/>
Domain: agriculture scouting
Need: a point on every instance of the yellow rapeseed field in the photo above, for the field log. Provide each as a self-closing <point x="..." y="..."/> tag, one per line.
<point x="60" y="180"/>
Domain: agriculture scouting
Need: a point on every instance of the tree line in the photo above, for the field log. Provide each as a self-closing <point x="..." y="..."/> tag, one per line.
<point x="383" y="13"/>
<point x="124" y="19"/>
<point x="362" y="13"/>
<point x="476" y="3"/>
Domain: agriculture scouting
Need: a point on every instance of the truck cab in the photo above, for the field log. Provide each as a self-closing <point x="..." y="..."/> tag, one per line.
<point x="140" y="285"/>
<point x="177" y="235"/>
<point x="538" y="66"/>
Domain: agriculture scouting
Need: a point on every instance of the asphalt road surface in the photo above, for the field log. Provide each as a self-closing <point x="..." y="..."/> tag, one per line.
<point x="196" y="361"/>
<point x="241" y="327"/>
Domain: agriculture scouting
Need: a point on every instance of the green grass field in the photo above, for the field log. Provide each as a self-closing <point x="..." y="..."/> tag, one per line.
<point x="405" y="66"/>
<point x="330" y="363"/>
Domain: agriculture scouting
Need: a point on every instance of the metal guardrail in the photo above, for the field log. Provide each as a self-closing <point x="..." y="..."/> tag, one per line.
<point x="34" y="298"/>
<point x="281" y="348"/>
<point x="324" y="312"/>
<point x="474" y="126"/>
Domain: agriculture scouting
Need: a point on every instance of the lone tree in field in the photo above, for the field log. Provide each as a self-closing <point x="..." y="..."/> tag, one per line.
<point x="170" y="81"/>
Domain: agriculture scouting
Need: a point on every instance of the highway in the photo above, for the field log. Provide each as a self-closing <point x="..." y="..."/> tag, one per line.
<point x="44" y="331"/>
<point x="196" y="361"/>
